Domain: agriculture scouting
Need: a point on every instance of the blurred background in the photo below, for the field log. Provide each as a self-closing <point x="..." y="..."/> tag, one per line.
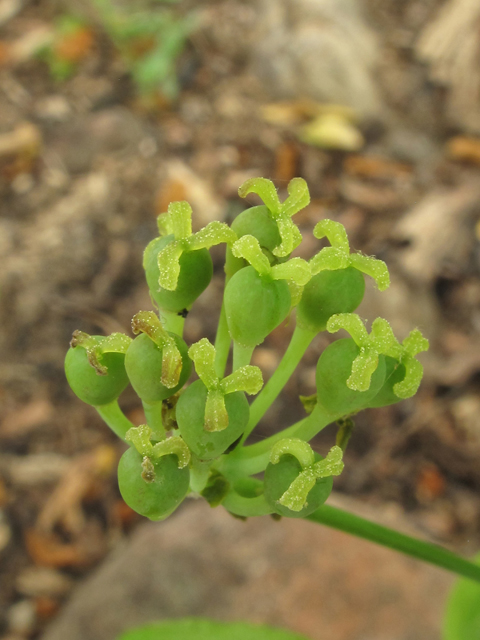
<point x="109" y="110"/>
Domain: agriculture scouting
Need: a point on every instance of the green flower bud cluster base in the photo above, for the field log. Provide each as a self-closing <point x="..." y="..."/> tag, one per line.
<point x="194" y="439"/>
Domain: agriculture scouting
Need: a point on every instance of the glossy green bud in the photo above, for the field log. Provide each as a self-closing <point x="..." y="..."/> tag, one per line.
<point x="255" y="305"/>
<point x="279" y="212"/>
<point x="337" y="284"/>
<point x="196" y="270"/>
<point x="338" y="255"/>
<point x="177" y="265"/>
<point x="334" y="369"/>
<point x="154" y="488"/>
<point x="295" y="477"/>
<point x="157" y="361"/>
<point x="143" y="362"/>
<point x="257" y="298"/>
<point x="328" y="293"/>
<point x="394" y="373"/>
<point x="190" y="412"/>
<point x="96" y="376"/>
<point x="258" y="222"/>
<point x="403" y="372"/>
<point x="279" y="477"/>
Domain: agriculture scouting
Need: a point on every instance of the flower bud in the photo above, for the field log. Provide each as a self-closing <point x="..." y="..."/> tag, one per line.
<point x="95" y="367"/>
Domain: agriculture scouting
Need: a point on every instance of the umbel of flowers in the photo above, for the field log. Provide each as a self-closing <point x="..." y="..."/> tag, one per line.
<point x="194" y="438"/>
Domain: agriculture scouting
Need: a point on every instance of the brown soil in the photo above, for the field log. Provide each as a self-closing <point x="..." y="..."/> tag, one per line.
<point x="90" y="168"/>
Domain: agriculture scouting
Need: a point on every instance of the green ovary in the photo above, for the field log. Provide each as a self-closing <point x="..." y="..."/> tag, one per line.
<point x="279" y="477"/>
<point x="334" y="369"/>
<point x="255" y="305"/>
<point x="158" y="498"/>
<point x="190" y="410"/>
<point x="196" y="270"/>
<point x="328" y="293"/>
<point x="257" y="222"/>
<point x="87" y="384"/>
<point x="394" y="373"/>
<point x="143" y="363"/>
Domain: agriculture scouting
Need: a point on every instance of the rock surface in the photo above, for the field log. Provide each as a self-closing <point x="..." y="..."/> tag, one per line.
<point x="318" y="49"/>
<point x="292" y="574"/>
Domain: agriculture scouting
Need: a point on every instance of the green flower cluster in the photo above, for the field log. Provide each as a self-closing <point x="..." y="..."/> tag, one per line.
<point x="194" y="436"/>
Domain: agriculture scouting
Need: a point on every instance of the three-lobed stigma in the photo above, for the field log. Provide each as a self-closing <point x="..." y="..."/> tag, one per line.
<point x="247" y="378"/>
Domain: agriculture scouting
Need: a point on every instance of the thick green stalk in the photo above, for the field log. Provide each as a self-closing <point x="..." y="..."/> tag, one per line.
<point x="299" y="343"/>
<point x="222" y="344"/>
<point x="232" y="264"/>
<point x="223" y="339"/>
<point x="114" y="417"/>
<point x="316" y="421"/>
<point x="153" y="415"/>
<point x="172" y="322"/>
<point x="199" y="473"/>
<point x="241" y="355"/>
<point x="426" y="551"/>
<point x="241" y="506"/>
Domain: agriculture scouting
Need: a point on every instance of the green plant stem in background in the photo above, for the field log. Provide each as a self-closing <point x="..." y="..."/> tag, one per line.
<point x="172" y="322"/>
<point x="299" y="343"/>
<point x="426" y="551"/>
<point x="153" y="415"/>
<point x="114" y="417"/>
<point x="241" y="355"/>
<point x="222" y="344"/>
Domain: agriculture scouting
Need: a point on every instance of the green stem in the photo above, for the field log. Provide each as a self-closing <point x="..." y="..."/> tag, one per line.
<point x="241" y="506"/>
<point x="222" y="344"/>
<point x="232" y="264"/>
<point x="246" y="461"/>
<point x="316" y="421"/>
<point x="199" y="473"/>
<point x="172" y="322"/>
<point x="153" y="415"/>
<point x="241" y="355"/>
<point x="426" y="551"/>
<point x="344" y="433"/>
<point x="223" y="339"/>
<point x="299" y="343"/>
<point x="114" y="417"/>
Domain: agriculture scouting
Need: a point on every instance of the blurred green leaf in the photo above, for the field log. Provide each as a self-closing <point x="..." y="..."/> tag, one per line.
<point x="157" y="67"/>
<point x="462" y="619"/>
<point x="201" y="629"/>
<point x="161" y="32"/>
<point x="61" y="58"/>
